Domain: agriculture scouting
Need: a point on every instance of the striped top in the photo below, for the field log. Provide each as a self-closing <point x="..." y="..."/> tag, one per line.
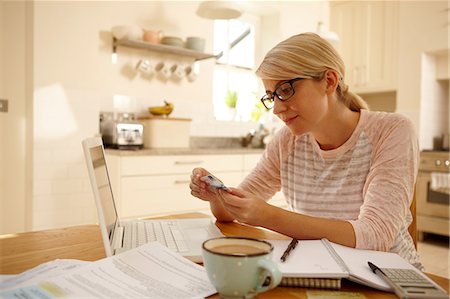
<point x="368" y="181"/>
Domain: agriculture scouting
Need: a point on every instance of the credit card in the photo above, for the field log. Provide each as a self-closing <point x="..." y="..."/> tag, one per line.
<point x="214" y="182"/>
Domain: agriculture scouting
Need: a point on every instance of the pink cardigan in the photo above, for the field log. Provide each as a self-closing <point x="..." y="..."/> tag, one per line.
<point x="368" y="181"/>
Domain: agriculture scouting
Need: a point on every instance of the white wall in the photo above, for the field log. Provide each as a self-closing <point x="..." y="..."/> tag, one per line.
<point x="14" y="86"/>
<point x="2" y="119"/>
<point x="423" y="28"/>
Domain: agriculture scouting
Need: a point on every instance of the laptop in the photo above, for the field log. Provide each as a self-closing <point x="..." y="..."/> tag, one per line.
<point x="184" y="236"/>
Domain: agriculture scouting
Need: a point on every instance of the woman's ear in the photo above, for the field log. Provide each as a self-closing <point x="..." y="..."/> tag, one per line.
<point x="332" y="81"/>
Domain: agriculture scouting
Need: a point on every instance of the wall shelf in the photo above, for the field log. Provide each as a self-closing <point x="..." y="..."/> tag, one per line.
<point x="165" y="49"/>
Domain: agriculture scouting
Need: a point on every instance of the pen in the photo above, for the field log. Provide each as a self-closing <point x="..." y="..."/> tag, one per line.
<point x="375" y="268"/>
<point x="288" y="250"/>
<point x="396" y="286"/>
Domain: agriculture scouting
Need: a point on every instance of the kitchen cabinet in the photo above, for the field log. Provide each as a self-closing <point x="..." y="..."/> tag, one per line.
<point x="368" y="33"/>
<point x="146" y="185"/>
<point x="442" y="65"/>
<point x="159" y="184"/>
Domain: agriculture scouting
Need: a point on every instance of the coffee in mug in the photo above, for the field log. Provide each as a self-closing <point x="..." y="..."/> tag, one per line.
<point x="240" y="267"/>
<point x="238" y="249"/>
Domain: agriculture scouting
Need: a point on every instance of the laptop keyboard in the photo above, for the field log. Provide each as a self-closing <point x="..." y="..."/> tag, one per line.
<point x="167" y="233"/>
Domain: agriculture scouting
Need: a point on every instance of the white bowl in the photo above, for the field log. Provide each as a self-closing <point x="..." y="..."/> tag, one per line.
<point x="127" y="32"/>
<point x="195" y="43"/>
<point x="172" y="41"/>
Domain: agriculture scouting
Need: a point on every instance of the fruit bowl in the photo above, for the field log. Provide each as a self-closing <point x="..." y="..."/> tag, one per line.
<point x="161" y="110"/>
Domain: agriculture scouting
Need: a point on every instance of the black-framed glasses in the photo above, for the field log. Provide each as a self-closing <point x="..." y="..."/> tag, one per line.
<point x="283" y="92"/>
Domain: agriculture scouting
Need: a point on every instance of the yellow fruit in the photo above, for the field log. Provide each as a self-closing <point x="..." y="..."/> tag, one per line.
<point x="161" y="110"/>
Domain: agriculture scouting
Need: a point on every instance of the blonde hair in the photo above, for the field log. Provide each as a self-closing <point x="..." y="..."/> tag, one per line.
<point x="308" y="55"/>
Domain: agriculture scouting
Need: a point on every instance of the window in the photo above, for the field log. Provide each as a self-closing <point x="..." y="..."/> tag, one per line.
<point x="235" y="83"/>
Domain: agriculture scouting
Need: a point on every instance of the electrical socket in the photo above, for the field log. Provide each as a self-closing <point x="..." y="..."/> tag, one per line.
<point x="3" y="105"/>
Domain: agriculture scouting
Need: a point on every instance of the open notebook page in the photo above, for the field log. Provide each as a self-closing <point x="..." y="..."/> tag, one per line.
<point x="356" y="261"/>
<point x="309" y="259"/>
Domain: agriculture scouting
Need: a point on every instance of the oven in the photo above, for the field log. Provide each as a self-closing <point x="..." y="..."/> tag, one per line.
<point x="433" y="193"/>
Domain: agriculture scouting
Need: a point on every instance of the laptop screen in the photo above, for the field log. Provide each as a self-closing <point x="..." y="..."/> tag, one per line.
<point x="104" y="188"/>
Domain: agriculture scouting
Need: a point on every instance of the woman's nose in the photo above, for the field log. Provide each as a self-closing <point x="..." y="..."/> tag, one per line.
<point x="278" y="106"/>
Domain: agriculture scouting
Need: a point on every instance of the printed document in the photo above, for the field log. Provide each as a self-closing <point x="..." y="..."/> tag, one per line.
<point x="149" y="271"/>
<point x="42" y="272"/>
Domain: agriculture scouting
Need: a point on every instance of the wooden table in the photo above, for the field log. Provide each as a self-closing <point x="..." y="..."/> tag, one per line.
<point x="20" y="252"/>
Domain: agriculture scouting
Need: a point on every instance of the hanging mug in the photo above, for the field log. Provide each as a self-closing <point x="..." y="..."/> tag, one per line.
<point x="163" y="70"/>
<point x="152" y="36"/>
<point x="145" y="67"/>
<point x="178" y="70"/>
<point x="191" y="71"/>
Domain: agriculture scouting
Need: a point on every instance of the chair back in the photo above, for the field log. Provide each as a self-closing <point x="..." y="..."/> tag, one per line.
<point x="413" y="226"/>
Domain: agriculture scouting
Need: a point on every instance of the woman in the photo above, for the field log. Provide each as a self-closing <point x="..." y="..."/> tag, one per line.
<point x="347" y="174"/>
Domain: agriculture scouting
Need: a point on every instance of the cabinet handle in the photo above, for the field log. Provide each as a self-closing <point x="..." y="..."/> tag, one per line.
<point x="188" y="162"/>
<point x="182" y="182"/>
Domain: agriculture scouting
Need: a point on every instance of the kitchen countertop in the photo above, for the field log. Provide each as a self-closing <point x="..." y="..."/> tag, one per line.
<point x="185" y="151"/>
<point x="197" y="146"/>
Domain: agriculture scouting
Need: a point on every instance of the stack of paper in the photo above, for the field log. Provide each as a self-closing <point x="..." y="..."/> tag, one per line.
<point x="151" y="270"/>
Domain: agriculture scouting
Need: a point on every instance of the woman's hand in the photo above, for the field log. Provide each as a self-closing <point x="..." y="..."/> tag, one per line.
<point x="227" y="206"/>
<point x="205" y="192"/>
<point x="244" y="206"/>
<point x="201" y="189"/>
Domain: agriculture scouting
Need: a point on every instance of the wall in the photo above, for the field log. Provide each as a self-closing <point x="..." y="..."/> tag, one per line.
<point x="2" y="119"/>
<point x="428" y="32"/>
<point x="15" y="169"/>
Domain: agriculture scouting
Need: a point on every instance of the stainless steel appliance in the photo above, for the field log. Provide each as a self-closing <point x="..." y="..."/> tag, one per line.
<point x="121" y="131"/>
<point x="433" y="203"/>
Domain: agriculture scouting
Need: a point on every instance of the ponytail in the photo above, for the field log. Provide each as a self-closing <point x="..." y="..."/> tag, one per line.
<point x="353" y="101"/>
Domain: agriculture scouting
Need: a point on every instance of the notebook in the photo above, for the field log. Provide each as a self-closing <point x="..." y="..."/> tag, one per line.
<point x="323" y="264"/>
<point x="184" y="236"/>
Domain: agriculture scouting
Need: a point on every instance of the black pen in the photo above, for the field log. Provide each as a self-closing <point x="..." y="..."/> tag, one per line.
<point x="288" y="250"/>
<point x="374" y="268"/>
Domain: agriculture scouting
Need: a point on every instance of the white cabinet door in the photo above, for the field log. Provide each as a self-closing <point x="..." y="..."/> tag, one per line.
<point x="342" y="22"/>
<point x="164" y="194"/>
<point x="149" y="165"/>
<point x="155" y="195"/>
<point x="381" y="34"/>
<point x="155" y="185"/>
<point x="368" y="38"/>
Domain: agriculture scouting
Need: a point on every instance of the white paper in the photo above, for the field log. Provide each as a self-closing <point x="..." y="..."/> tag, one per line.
<point x="150" y="271"/>
<point x="356" y="260"/>
<point x="311" y="258"/>
<point x="308" y="259"/>
<point x="5" y="277"/>
<point x="42" y="272"/>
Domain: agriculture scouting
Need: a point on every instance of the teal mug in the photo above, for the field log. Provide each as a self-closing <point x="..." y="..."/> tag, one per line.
<point x="240" y="267"/>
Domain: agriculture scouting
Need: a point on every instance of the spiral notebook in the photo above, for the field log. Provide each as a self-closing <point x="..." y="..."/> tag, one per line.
<point x="323" y="264"/>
